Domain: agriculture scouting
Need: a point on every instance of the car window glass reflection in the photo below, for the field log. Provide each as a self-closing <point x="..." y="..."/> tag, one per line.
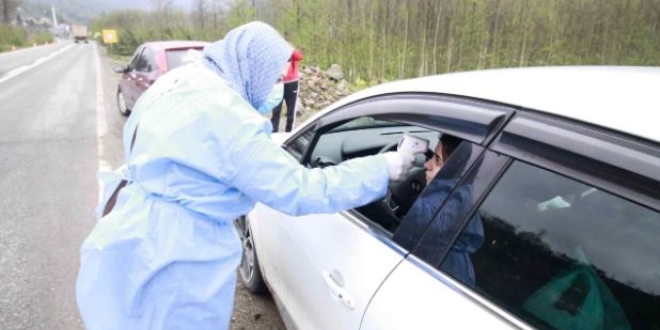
<point x="564" y="255"/>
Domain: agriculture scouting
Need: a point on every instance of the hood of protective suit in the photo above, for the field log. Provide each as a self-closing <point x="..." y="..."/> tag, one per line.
<point x="250" y="58"/>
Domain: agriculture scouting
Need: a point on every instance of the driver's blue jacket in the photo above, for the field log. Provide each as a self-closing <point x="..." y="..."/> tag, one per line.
<point x="437" y="217"/>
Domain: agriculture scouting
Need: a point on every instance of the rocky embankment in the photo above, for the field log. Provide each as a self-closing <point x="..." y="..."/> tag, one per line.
<point x="318" y="88"/>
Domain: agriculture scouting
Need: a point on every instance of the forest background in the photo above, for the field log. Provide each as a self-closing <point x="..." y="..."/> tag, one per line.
<point x="394" y="39"/>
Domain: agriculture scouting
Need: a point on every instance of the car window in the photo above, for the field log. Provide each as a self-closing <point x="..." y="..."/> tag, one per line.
<point x="135" y="59"/>
<point x="176" y="57"/>
<point x="151" y="60"/>
<point x="297" y="147"/>
<point x="560" y="254"/>
<point x="146" y="62"/>
<point x="366" y="136"/>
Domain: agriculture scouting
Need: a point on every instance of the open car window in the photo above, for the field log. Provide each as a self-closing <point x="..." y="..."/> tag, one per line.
<point x="361" y="137"/>
<point x="365" y="136"/>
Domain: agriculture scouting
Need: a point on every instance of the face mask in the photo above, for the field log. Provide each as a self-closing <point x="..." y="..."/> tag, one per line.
<point x="274" y="98"/>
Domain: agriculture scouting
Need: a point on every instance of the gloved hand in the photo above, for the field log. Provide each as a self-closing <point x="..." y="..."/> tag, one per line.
<point x="399" y="164"/>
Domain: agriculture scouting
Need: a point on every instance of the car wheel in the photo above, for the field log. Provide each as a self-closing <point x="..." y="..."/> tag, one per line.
<point x="121" y="104"/>
<point x="249" y="270"/>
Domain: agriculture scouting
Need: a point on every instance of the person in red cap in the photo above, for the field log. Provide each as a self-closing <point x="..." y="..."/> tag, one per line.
<point x="290" y="95"/>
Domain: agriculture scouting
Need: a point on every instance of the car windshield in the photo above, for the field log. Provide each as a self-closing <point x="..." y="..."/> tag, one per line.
<point x="177" y="57"/>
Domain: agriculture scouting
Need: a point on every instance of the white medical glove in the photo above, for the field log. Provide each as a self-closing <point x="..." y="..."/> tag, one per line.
<point x="399" y="164"/>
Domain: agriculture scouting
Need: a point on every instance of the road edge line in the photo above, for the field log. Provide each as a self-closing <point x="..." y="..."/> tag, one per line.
<point x="101" y="121"/>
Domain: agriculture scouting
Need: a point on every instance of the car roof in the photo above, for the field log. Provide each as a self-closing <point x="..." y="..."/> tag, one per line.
<point x="175" y="44"/>
<point x="626" y="99"/>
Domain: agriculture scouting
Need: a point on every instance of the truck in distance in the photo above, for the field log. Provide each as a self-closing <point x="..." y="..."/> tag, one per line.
<point x="79" y="33"/>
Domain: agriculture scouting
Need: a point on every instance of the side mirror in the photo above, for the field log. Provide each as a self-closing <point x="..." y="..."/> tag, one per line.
<point x="122" y="68"/>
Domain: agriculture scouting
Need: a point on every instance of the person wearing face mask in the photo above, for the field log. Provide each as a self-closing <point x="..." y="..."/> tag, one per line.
<point x="198" y="154"/>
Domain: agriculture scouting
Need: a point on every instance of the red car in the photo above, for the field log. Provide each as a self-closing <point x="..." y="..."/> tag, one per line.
<point x="150" y="61"/>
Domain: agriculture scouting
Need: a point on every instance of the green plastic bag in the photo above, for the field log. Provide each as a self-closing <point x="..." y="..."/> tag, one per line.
<point x="577" y="300"/>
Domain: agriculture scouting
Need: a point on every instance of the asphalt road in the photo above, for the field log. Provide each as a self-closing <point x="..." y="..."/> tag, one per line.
<point x="24" y="57"/>
<point x="58" y="125"/>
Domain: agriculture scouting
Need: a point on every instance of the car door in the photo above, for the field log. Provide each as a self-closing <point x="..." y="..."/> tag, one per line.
<point x="324" y="269"/>
<point x="570" y="232"/>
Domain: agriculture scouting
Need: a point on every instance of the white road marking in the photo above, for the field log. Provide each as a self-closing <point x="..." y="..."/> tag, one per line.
<point x="101" y="121"/>
<point x="21" y="69"/>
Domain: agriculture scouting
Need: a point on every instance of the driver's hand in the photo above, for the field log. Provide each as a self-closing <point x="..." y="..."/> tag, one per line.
<point x="399" y="164"/>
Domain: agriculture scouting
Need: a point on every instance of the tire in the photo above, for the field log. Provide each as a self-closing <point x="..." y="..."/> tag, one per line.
<point x="121" y="104"/>
<point x="249" y="271"/>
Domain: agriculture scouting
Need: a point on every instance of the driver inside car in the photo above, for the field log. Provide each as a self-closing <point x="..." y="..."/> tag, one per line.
<point x="439" y="186"/>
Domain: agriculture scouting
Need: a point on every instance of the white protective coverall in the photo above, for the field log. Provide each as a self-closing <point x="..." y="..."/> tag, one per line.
<point x="167" y="254"/>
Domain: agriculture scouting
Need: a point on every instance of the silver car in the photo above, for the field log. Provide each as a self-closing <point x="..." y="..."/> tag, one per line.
<point x="545" y="216"/>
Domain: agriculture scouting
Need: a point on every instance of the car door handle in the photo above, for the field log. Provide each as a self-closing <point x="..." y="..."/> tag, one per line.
<point x="338" y="291"/>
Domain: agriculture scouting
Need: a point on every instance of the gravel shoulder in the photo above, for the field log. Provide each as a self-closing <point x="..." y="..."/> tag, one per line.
<point x="253" y="312"/>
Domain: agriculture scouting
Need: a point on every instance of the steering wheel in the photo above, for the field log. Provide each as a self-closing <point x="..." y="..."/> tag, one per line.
<point x="400" y="195"/>
<point x="323" y="162"/>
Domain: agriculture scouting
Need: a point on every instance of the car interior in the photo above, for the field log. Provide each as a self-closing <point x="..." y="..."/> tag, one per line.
<point x="366" y="136"/>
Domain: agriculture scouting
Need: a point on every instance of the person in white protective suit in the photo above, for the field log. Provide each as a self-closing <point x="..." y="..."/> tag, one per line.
<point x="198" y="154"/>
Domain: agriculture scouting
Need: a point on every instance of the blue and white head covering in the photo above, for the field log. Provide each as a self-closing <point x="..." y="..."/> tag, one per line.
<point x="251" y="58"/>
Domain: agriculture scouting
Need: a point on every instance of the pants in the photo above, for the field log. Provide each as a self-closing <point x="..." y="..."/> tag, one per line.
<point x="290" y="96"/>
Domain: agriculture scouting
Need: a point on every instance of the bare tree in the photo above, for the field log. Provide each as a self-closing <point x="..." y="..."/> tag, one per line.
<point x="7" y="10"/>
<point x="200" y="17"/>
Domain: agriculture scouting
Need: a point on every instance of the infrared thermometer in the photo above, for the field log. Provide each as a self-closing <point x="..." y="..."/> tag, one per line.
<point x="412" y="144"/>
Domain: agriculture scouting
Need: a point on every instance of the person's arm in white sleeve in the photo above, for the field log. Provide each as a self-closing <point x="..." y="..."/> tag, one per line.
<point x="269" y="175"/>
